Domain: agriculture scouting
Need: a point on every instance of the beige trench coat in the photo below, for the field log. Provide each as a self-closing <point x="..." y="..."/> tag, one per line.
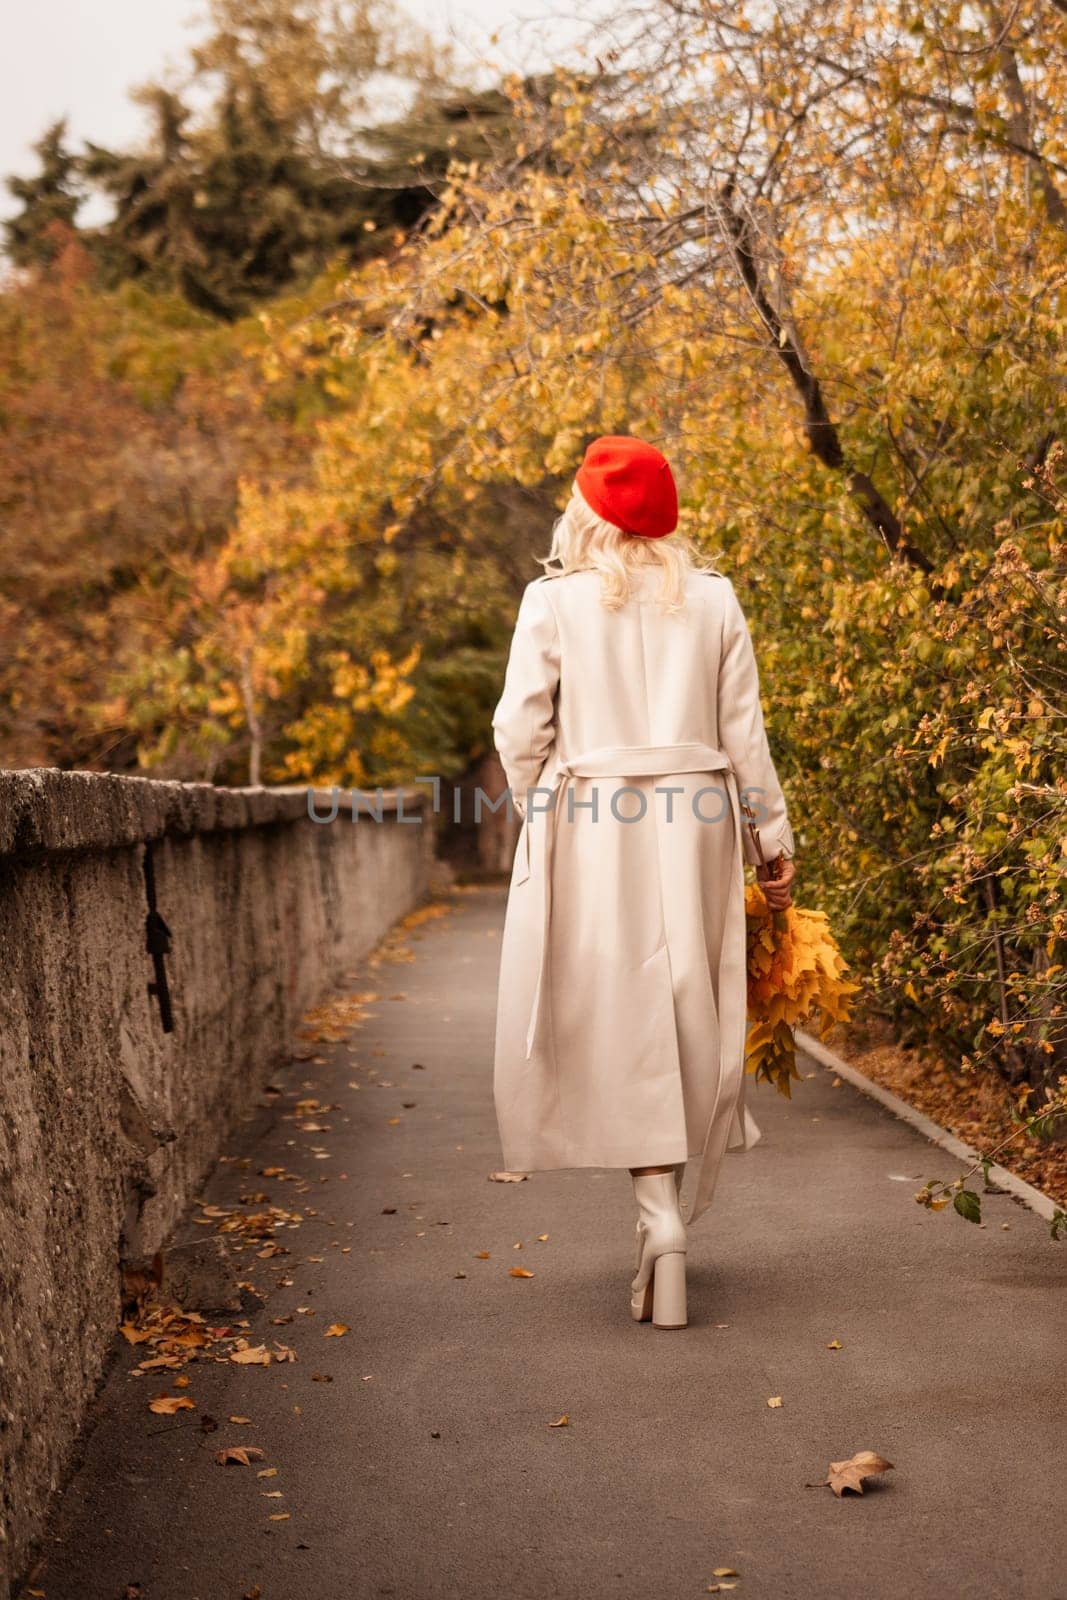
<point x="628" y="738"/>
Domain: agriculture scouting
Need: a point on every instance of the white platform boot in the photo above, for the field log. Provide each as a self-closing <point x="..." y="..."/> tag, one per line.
<point x="658" y="1290"/>
<point x="679" y="1174"/>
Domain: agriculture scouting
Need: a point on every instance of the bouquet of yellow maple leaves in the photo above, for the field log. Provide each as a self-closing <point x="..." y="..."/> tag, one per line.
<point x="796" y="976"/>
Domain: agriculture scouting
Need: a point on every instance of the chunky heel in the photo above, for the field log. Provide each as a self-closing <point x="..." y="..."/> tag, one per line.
<point x="668" y="1291"/>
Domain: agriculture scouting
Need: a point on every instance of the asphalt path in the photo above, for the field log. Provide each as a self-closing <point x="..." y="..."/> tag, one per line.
<point x="414" y="1455"/>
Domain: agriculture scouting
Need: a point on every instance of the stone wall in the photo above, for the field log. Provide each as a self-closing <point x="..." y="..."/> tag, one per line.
<point x="107" y="1122"/>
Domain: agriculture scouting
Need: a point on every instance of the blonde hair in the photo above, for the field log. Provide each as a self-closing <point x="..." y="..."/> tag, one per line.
<point x="583" y="541"/>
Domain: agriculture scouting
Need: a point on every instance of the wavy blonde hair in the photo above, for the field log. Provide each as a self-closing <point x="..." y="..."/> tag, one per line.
<point x="584" y="542"/>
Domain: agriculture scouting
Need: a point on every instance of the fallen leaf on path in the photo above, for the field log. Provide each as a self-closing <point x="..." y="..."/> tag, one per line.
<point x="238" y="1455"/>
<point x="267" y="1472"/>
<point x="430" y="913"/>
<point x="165" y="1405"/>
<point x="725" y="1572"/>
<point x="775" y="1402"/>
<point x="241" y="1421"/>
<point x="561" y="1422"/>
<point x="850" y="1474"/>
<point x="252" y="1594"/>
<point x="481" y="1255"/>
<point x="507" y="1177"/>
<point x="133" y="1334"/>
<point x="542" y="1238"/>
<point x="835" y="1344"/>
<point x="247" y="1355"/>
<point x="519" y="1272"/>
<point x="336" y="1330"/>
<point x="272" y="1494"/>
<point x="279" y="1516"/>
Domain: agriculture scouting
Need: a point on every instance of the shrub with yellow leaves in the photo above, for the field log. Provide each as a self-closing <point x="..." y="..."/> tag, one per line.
<point x="796" y="975"/>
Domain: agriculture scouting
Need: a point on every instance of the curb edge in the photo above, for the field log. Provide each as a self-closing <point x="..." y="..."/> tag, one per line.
<point x="1034" y="1198"/>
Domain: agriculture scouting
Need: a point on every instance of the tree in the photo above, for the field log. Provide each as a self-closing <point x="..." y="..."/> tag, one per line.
<point x="50" y="202"/>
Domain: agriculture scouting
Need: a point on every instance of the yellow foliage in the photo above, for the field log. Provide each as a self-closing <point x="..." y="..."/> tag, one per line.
<point x="796" y="973"/>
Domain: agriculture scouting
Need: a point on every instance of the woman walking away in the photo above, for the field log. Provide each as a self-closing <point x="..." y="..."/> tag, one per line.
<point x="631" y="734"/>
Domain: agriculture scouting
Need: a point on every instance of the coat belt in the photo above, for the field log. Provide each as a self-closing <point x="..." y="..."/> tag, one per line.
<point x="619" y="761"/>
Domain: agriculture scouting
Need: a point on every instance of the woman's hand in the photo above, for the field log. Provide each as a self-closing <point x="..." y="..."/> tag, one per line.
<point x="777" y="891"/>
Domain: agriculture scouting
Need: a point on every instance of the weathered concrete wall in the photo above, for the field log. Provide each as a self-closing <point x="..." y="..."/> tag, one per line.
<point x="107" y="1123"/>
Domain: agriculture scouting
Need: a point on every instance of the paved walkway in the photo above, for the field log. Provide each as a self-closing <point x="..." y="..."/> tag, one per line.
<point x="426" y="1466"/>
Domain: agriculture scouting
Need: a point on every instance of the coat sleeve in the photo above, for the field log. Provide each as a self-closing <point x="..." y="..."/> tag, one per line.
<point x="743" y="737"/>
<point x="524" y="722"/>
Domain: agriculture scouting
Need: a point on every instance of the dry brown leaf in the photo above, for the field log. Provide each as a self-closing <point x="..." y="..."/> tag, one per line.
<point x="240" y="1420"/>
<point x="835" y="1344"/>
<point x="850" y="1474"/>
<point x="279" y="1516"/>
<point x="133" y="1334"/>
<point x="561" y="1422"/>
<point x="267" y="1472"/>
<point x="775" y="1402"/>
<point x="542" y="1238"/>
<point x="508" y="1177"/>
<point x="238" y="1455"/>
<point x="725" y="1572"/>
<point x="251" y="1355"/>
<point x="165" y="1405"/>
<point x="336" y="1330"/>
<point x="272" y="1494"/>
<point x="519" y="1272"/>
<point x="481" y="1255"/>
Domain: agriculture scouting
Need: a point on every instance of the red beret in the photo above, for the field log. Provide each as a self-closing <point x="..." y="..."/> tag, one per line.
<point x="629" y="483"/>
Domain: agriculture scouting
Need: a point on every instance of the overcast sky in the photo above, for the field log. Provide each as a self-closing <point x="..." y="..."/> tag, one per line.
<point x="78" y="58"/>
